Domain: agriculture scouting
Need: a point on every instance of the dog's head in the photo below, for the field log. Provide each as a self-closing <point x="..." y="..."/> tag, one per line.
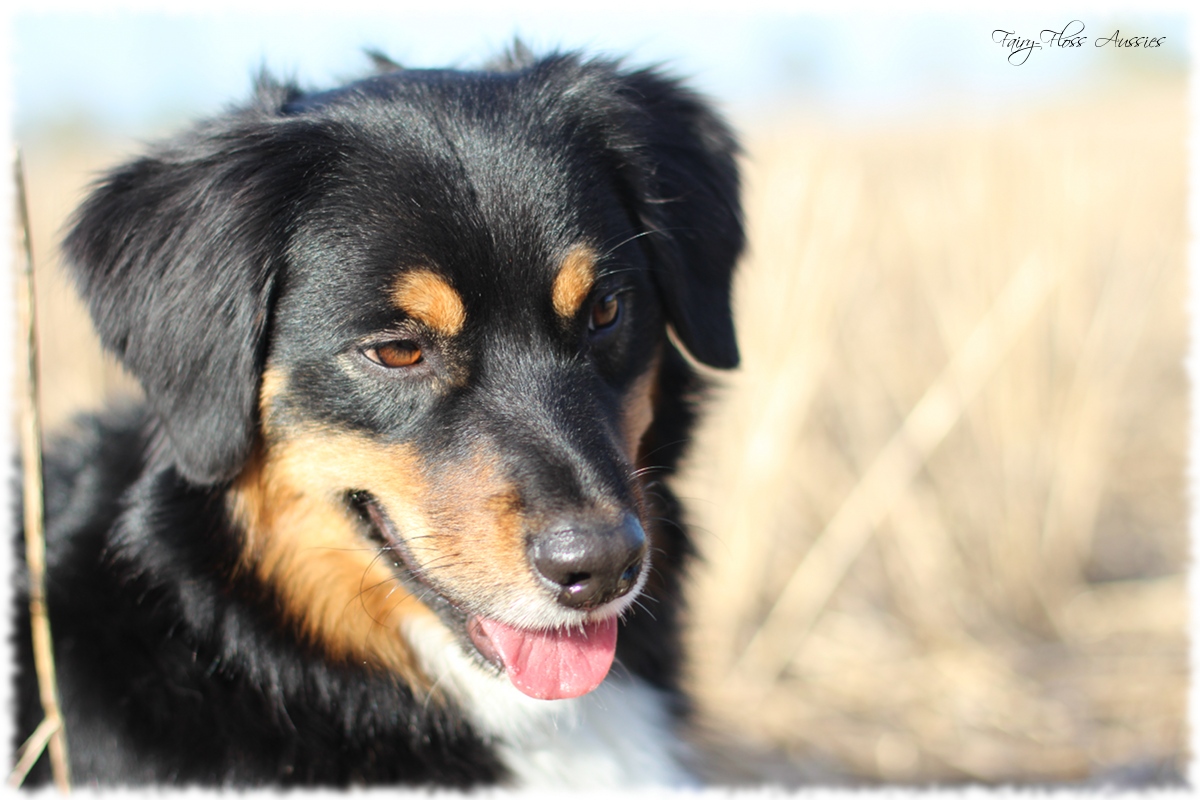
<point x="415" y="326"/>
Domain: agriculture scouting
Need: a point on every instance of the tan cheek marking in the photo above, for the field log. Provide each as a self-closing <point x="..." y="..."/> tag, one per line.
<point x="465" y="527"/>
<point x="426" y="296"/>
<point x="301" y="540"/>
<point x="480" y="541"/>
<point x="637" y="411"/>
<point x="574" y="281"/>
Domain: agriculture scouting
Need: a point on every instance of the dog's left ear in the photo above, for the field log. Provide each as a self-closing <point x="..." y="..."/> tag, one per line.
<point x="690" y="207"/>
<point x="176" y="254"/>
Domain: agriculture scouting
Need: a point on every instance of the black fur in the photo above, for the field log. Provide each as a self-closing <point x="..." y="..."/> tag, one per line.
<point x="270" y="233"/>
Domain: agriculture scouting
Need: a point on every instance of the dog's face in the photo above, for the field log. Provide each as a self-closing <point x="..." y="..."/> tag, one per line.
<point x="422" y="344"/>
<point x="471" y="374"/>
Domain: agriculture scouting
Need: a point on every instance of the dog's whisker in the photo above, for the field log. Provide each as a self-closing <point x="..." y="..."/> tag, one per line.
<point x="639" y="604"/>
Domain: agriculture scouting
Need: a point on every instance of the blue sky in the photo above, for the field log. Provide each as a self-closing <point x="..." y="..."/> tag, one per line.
<point x="136" y="71"/>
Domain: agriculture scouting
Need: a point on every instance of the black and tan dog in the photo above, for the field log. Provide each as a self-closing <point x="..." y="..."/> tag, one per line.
<point x="393" y="509"/>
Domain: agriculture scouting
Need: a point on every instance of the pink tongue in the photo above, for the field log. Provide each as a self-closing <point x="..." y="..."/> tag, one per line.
<point x="552" y="665"/>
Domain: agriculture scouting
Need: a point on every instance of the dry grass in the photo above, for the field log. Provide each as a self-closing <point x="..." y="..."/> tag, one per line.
<point x="942" y="504"/>
<point x="943" y="500"/>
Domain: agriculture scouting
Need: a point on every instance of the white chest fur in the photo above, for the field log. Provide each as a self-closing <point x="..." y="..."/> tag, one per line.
<point x="618" y="735"/>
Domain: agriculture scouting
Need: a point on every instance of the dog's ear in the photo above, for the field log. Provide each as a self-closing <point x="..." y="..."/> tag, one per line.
<point x="176" y="255"/>
<point x="690" y="207"/>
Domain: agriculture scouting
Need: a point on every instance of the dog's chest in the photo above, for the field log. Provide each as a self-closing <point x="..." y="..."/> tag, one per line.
<point x="618" y="735"/>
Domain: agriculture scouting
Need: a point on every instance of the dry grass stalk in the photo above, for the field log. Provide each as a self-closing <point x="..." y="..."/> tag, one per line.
<point x="781" y="634"/>
<point x="51" y="731"/>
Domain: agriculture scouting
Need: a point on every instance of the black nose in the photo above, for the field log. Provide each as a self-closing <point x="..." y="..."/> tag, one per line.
<point x="587" y="563"/>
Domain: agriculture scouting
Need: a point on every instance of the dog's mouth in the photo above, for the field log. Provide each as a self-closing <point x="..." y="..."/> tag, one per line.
<point x="551" y="664"/>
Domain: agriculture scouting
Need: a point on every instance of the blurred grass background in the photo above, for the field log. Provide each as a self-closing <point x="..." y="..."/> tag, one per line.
<point x="943" y="500"/>
<point x="941" y="506"/>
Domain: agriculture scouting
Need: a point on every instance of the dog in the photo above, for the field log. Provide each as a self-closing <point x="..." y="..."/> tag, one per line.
<point x="418" y="355"/>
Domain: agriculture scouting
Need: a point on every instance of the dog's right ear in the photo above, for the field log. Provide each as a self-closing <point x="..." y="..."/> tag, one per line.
<point x="176" y="255"/>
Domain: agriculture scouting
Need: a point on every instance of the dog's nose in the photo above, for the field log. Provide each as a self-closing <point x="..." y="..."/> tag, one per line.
<point x="589" y="564"/>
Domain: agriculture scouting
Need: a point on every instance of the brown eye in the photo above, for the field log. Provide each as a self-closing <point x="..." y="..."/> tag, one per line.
<point x="605" y="312"/>
<point x="394" y="355"/>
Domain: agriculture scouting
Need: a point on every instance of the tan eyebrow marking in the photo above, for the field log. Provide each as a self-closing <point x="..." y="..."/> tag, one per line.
<point x="429" y="298"/>
<point x="574" y="281"/>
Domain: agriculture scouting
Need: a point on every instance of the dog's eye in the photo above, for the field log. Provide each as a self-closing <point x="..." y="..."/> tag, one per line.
<point x="606" y="311"/>
<point x="394" y="355"/>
